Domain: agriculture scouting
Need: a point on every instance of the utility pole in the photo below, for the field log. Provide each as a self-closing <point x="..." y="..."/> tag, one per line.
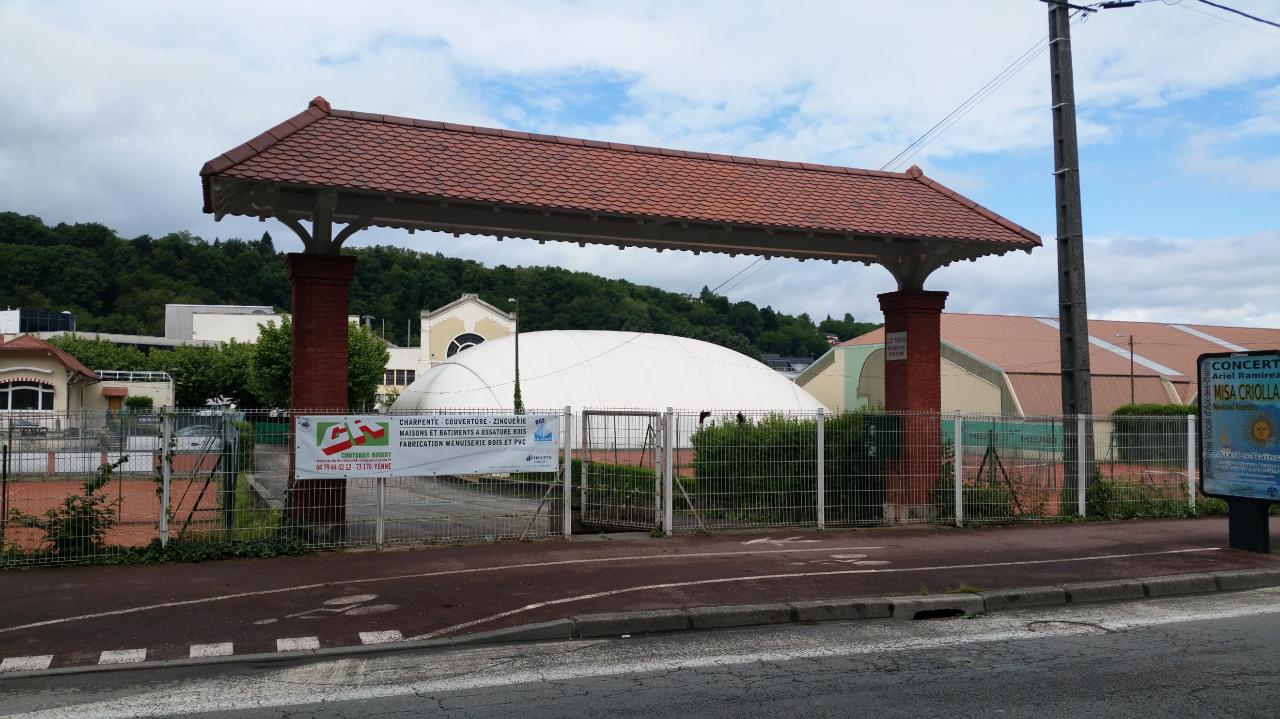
<point x="1073" y="319"/>
<point x="1131" y="394"/>
<point x="517" y="400"/>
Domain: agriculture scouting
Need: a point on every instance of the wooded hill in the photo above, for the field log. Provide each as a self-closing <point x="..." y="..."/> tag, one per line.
<point x="114" y="284"/>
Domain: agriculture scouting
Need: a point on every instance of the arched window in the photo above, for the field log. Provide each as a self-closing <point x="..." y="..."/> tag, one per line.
<point x="25" y="394"/>
<point x="462" y="342"/>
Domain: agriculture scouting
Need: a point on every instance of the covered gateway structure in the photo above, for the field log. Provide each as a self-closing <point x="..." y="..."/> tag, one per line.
<point x="335" y="167"/>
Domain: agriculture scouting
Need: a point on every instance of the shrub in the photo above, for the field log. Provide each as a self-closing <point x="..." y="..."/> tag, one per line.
<point x="79" y="526"/>
<point x="139" y="403"/>
<point x="767" y="468"/>
<point x="1150" y="433"/>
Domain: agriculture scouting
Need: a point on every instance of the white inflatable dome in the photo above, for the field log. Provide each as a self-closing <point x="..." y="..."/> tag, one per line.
<point x="587" y="369"/>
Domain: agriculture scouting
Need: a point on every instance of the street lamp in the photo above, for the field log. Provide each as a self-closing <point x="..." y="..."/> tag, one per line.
<point x="1131" y="396"/>
<point x="517" y="402"/>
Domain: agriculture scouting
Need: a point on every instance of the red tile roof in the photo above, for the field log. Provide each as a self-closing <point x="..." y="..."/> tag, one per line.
<point x="402" y="156"/>
<point x="31" y="343"/>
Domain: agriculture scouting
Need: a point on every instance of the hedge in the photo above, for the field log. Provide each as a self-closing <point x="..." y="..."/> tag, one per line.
<point x="768" y="468"/>
<point x="1151" y="433"/>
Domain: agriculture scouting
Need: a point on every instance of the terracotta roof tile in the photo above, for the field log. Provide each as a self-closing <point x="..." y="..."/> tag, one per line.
<point x="31" y="343"/>
<point x="375" y="153"/>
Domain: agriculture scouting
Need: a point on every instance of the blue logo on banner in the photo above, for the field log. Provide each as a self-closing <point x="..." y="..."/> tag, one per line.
<point x="542" y="434"/>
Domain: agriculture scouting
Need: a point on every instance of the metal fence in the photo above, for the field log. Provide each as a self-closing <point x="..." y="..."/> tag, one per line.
<point x="96" y="486"/>
<point x="92" y="486"/>
<point x="698" y="471"/>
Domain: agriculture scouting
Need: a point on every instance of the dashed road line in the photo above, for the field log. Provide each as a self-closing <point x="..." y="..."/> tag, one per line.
<point x="297" y="644"/>
<point x="221" y="649"/>
<point x="26" y="664"/>
<point x="197" y="651"/>
<point x="122" y="656"/>
<point x="391" y="635"/>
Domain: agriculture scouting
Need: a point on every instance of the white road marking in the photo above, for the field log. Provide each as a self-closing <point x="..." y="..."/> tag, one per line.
<point x="370" y="609"/>
<point x="400" y="577"/>
<point x="297" y="644"/>
<point x="782" y="542"/>
<point x="122" y="656"/>
<point x="352" y="599"/>
<point x="222" y="649"/>
<point x="391" y="635"/>
<point x="26" y="664"/>
<point x="792" y="575"/>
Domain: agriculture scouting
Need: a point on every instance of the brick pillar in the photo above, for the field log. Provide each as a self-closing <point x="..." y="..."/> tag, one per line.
<point x="320" y="287"/>
<point x="913" y="386"/>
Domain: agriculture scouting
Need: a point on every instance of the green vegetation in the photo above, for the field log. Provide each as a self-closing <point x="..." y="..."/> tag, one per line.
<point x="121" y="285"/>
<point x="1151" y="433"/>
<point x="248" y="374"/>
<point x="78" y="526"/>
<point x="766" y="469"/>
<point x="139" y="403"/>
<point x="1109" y="499"/>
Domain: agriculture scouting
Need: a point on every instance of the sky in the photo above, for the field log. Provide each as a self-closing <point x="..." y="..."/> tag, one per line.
<point x="109" y="109"/>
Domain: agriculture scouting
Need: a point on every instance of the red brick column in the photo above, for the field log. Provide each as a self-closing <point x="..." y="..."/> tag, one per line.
<point x="320" y="288"/>
<point x="913" y="386"/>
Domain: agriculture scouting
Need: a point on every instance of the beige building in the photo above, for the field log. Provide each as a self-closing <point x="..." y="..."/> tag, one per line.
<point x="459" y="325"/>
<point x="851" y="377"/>
<point x="38" y="379"/>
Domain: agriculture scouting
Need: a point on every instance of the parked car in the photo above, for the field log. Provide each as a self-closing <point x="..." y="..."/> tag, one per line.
<point x="197" y="437"/>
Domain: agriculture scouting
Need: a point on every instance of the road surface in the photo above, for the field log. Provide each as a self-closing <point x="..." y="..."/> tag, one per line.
<point x="1213" y="655"/>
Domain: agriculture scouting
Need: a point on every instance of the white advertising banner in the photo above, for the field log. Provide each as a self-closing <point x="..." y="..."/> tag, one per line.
<point x="342" y="446"/>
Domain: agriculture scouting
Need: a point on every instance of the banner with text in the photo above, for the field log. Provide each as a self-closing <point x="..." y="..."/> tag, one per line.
<point x="1240" y="425"/>
<point x="338" y="446"/>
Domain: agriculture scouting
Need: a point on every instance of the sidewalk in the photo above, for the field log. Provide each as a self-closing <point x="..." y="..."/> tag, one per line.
<point x="67" y="617"/>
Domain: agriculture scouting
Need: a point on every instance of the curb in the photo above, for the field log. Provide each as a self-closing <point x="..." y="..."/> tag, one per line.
<point x="621" y="624"/>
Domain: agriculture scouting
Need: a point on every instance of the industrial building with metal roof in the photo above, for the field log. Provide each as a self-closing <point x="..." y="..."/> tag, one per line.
<point x="1009" y="365"/>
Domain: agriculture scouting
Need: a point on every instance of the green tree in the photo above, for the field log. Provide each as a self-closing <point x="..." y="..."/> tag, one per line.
<point x="272" y="361"/>
<point x="99" y="354"/>
<point x="121" y="285"/>
<point x="847" y="328"/>
<point x="367" y="357"/>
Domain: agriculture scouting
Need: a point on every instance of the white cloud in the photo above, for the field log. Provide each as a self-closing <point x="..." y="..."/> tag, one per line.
<point x="1226" y="280"/>
<point x="1246" y="154"/>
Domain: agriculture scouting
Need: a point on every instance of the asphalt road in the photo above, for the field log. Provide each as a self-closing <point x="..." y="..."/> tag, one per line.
<point x="1213" y="656"/>
<point x="73" y="615"/>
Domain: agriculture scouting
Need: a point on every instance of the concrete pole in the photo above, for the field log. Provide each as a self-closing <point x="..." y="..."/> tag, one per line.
<point x="1077" y="396"/>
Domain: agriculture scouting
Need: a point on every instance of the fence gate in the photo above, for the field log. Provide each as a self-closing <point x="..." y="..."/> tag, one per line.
<point x="620" y="486"/>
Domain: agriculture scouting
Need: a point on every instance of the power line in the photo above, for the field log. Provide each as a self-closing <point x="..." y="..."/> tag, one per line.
<point x="744" y="269"/>
<point x="973" y="101"/>
<point x="1229" y="21"/>
<point x="1241" y="13"/>
<point x="745" y="278"/>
